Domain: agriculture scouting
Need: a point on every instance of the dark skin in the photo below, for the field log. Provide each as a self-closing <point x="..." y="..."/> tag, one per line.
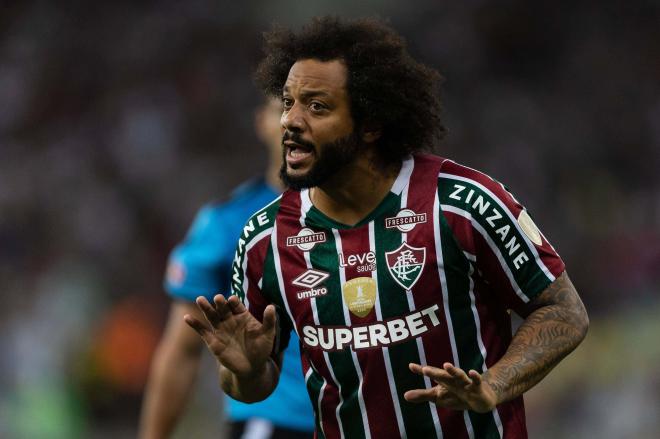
<point x="556" y="324"/>
<point x="316" y="106"/>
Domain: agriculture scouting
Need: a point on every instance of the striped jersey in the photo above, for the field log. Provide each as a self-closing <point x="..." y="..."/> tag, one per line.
<point x="429" y="276"/>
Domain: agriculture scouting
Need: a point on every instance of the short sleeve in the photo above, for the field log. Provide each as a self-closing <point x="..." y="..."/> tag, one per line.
<point x="253" y="280"/>
<point x="201" y="263"/>
<point x="497" y="234"/>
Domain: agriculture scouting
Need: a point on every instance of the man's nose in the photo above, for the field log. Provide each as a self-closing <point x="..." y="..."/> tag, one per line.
<point x="293" y="120"/>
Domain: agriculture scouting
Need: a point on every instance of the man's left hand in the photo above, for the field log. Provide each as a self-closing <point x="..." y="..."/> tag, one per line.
<point x="454" y="389"/>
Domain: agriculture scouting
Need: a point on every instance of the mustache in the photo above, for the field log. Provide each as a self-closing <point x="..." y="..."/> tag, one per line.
<point x="296" y="137"/>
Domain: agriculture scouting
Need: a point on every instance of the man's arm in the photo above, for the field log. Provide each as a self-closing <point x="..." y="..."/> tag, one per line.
<point x="556" y="324"/>
<point x="172" y="375"/>
<point x="241" y="345"/>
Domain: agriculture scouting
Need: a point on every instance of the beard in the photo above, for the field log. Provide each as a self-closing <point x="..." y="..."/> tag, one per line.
<point x="331" y="158"/>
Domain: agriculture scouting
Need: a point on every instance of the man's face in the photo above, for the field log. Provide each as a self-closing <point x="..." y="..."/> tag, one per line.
<point x="319" y="138"/>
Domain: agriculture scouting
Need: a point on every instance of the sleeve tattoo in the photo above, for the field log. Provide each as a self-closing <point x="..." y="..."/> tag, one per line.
<point x="557" y="323"/>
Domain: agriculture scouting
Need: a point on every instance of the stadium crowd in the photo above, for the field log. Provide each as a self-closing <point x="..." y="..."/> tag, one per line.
<point x="118" y="120"/>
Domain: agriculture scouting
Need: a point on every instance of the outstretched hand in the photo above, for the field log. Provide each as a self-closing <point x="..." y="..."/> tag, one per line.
<point x="239" y="341"/>
<point x="454" y="389"/>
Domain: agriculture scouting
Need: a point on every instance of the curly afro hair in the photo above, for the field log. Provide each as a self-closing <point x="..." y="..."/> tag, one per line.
<point x="387" y="87"/>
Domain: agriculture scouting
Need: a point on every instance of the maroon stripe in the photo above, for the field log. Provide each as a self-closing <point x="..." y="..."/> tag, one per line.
<point x="380" y="409"/>
<point x="502" y="292"/>
<point x="547" y="254"/>
<point x="292" y="264"/>
<point x="512" y="414"/>
<point x="256" y="257"/>
<point x="427" y="291"/>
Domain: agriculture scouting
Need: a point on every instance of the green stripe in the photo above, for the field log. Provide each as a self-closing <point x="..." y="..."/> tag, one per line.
<point x="530" y="277"/>
<point x="271" y="290"/>
<point x="331" y="312"/>
<point x="417" y="418"/>
<point x="456" y="268"/>
<point x="251" y="229"/>
<point x="314" y="385"/>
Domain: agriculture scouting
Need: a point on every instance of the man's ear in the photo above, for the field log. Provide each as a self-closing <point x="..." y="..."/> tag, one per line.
<point x="370" y="133"/>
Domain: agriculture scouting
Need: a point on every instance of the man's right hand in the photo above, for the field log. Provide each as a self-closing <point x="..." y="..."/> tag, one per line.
<point x="234" y="336"/>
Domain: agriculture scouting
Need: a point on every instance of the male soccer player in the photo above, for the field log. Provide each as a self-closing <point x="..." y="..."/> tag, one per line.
<point x="396" y="268"/>
<point x="202" y="265"/>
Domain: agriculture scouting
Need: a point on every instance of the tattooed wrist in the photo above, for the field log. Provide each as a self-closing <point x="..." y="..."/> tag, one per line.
<point x="557" y="324"/>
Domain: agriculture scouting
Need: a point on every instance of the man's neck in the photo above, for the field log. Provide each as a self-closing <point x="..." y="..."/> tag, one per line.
<point x="354" y="192"/>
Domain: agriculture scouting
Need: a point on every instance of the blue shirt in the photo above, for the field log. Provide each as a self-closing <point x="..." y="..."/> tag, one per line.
<point x="201" y="266"/>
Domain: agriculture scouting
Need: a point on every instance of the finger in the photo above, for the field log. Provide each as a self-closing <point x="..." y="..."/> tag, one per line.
<point x="458" y="374"/>
<point x="416" y="368"/>
<point x="222" y="307"/>
<point x="208" y="310"/>
<point x="236" y="305"/>
<point x="270" y="319"/>
<point x="198" y="326"/>
<point x="436" y="374"/>
<point x="475" y="377"/>
<point x="420" y="395"/>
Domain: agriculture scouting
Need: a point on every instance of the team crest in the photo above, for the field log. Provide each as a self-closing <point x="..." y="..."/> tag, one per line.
<point x="406" y="264"/>
<point x="360" y="295"/>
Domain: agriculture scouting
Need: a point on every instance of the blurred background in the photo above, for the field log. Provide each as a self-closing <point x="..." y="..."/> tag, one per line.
<point x="118" y="120"/>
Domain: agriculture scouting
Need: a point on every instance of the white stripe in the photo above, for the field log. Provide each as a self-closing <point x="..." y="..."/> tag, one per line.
<point x="315" y="313"/>
<point x="404" y="176"/>
<point x="445" y="296"/>
<point x="386" y="352"/>
<point x="280" y="280"/>
<point x="347" y="321"/>
<point x="530" y="244"/>
<point x="496" y="251"/>
<point x="482" y="347"/>
<point x="248" y="247"/>
<point x="306" y="204"/>
<point x="411" y="307"/>
<point x="309" y="373"/>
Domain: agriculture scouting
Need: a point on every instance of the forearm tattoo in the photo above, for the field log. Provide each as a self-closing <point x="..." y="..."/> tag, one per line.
<point x="557" y="324"/>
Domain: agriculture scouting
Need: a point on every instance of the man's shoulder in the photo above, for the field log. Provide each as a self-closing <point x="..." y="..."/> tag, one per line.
<point x="457" y="171"/>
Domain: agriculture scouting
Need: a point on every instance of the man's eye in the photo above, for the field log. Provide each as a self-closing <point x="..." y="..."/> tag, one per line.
<point x="287" y="103"/>
<point x="315" y="106"/>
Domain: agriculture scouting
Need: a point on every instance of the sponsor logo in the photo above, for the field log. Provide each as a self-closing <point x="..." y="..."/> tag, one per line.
<point x="310" y="278"/>
<point x="360" y="295"/>
<point x="527" y="225"/>
<point x="364" y="262"/>
<point x="406" y="264"/>
<point x="306" y="239"/>
<point x="498" y="223"/>
<point x="405" y="220"/>
<point x="374" y="335"/>
<point x="312" y="292"/>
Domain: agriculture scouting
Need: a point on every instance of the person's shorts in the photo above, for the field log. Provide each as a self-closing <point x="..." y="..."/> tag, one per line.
<point x="257" y="428"/>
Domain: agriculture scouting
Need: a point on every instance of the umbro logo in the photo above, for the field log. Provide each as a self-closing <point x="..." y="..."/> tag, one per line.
<point x="310" y="278"/>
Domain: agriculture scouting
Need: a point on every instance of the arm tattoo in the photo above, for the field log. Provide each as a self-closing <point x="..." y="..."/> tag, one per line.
<point x="557" y="324"/>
